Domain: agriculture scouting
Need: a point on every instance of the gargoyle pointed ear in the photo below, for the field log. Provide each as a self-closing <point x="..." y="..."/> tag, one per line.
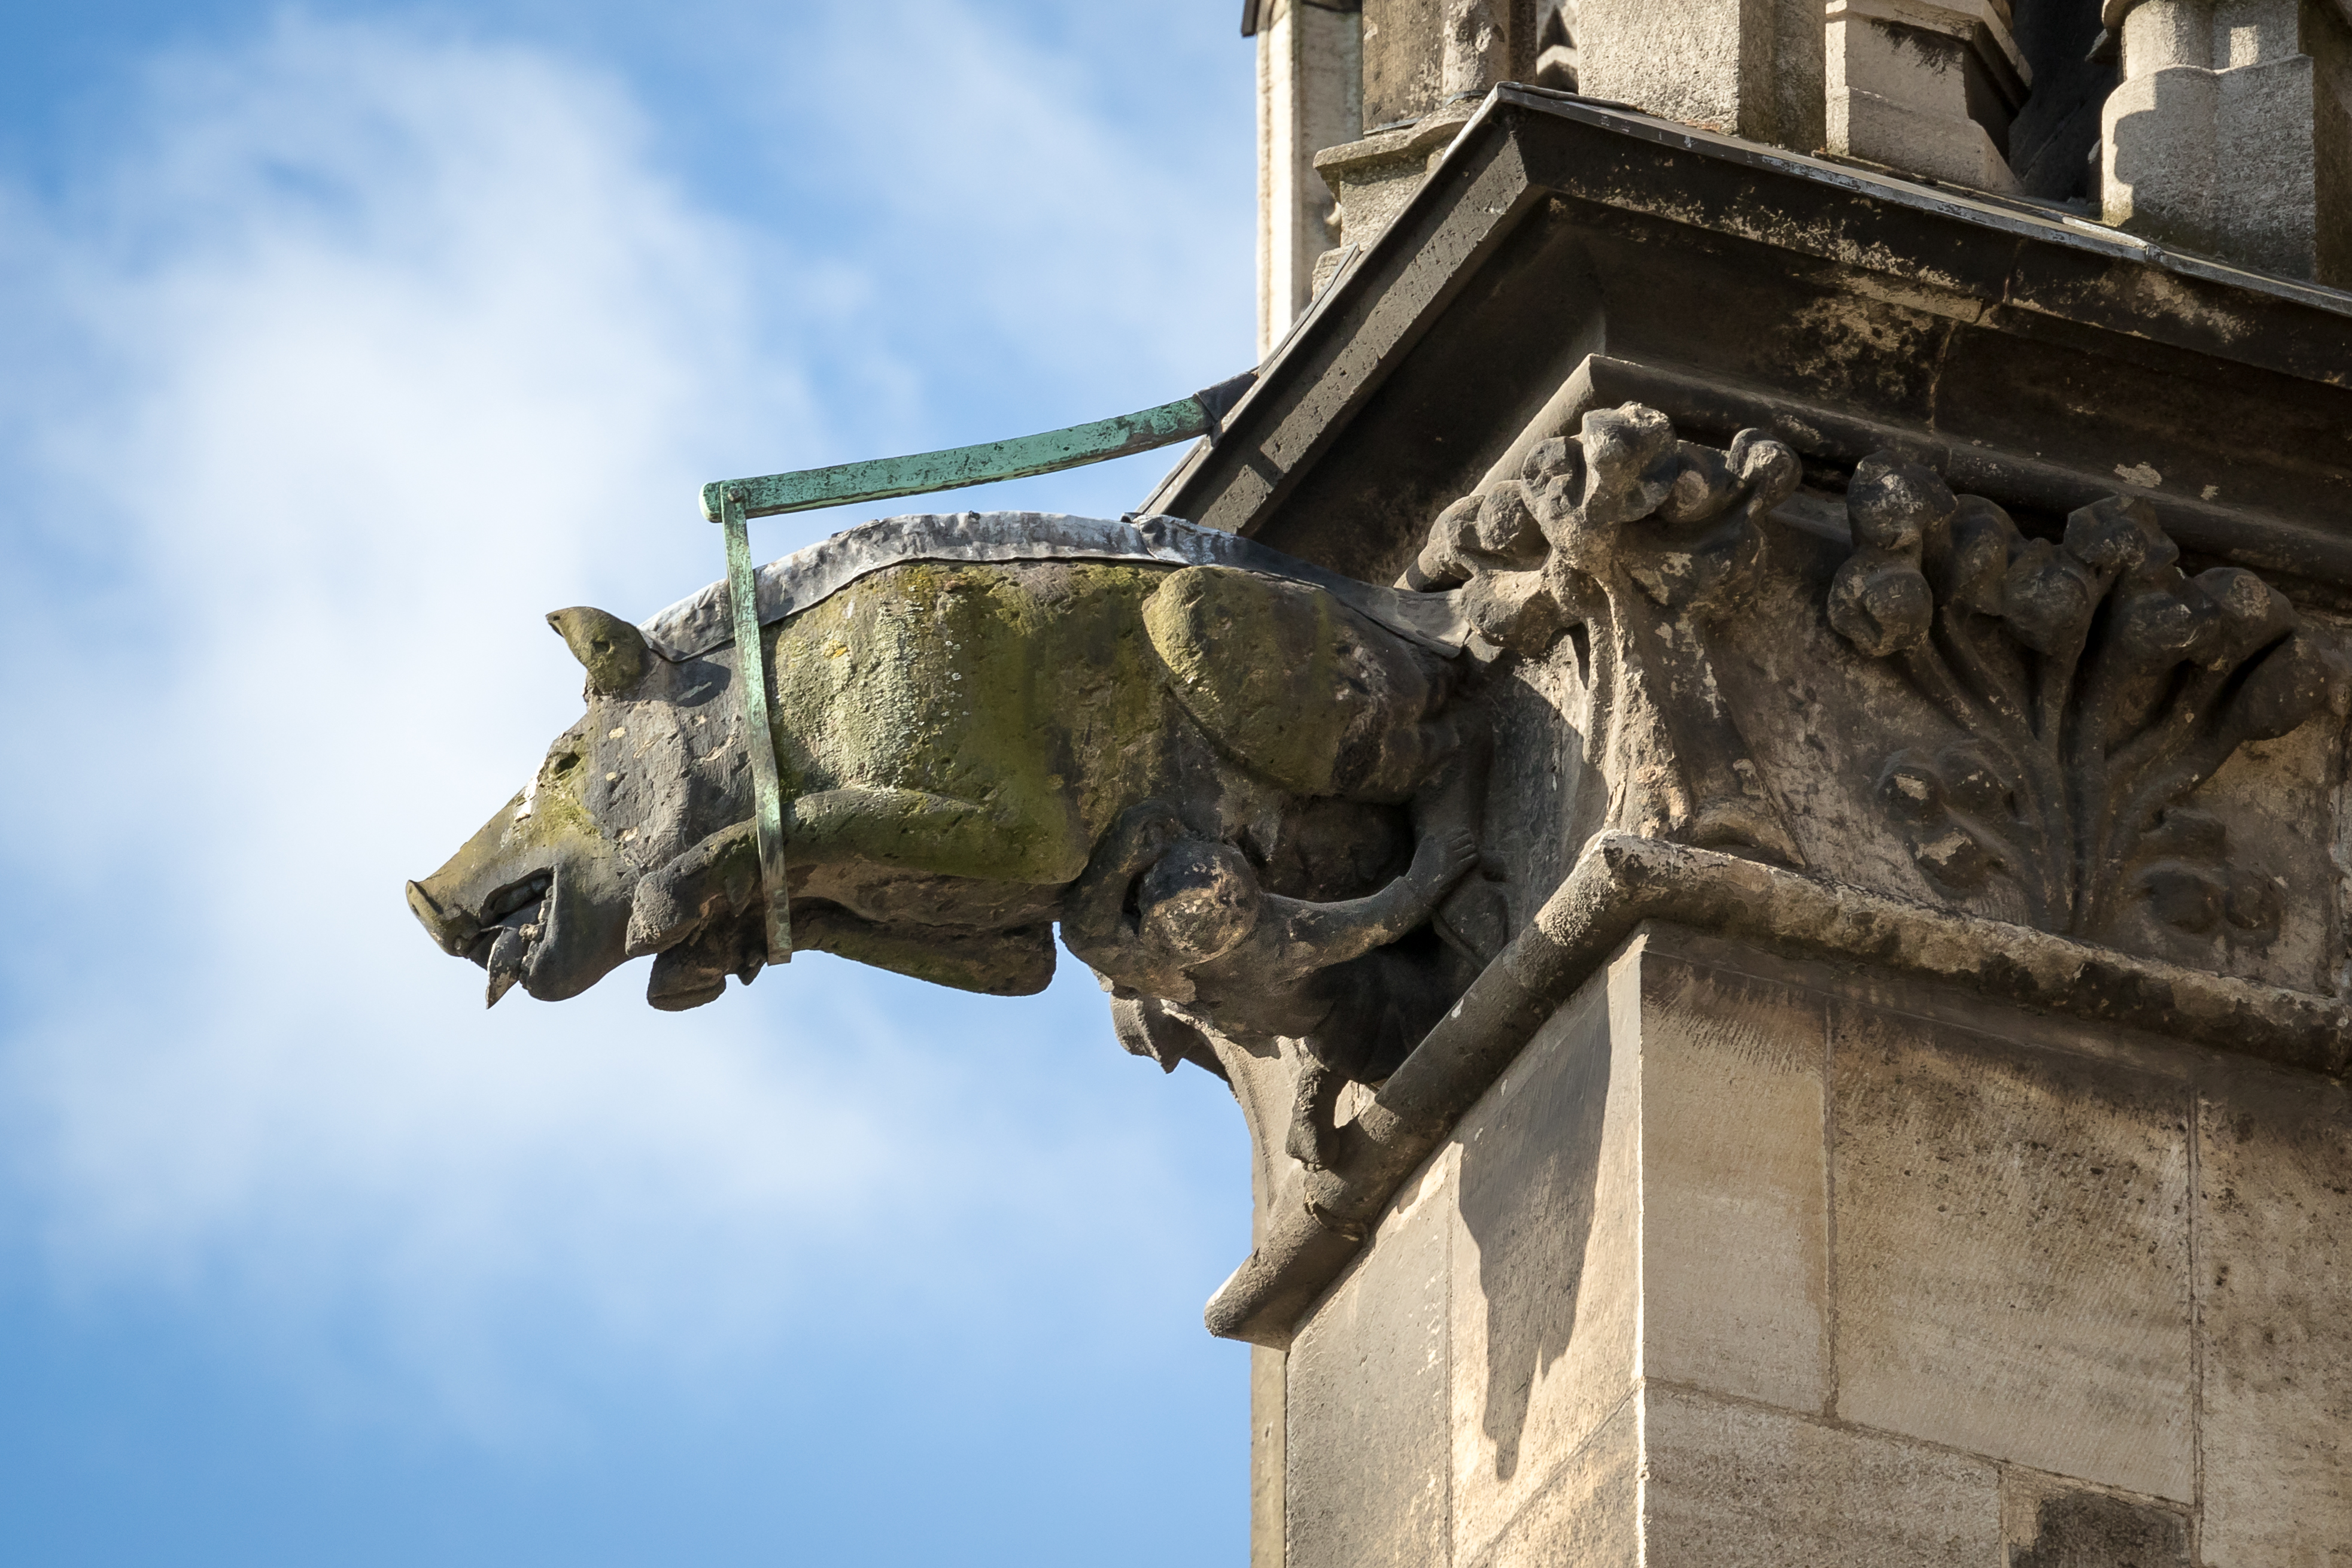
<point x="612" y="650"/>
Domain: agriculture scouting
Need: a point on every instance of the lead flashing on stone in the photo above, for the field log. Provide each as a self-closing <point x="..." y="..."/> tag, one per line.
<point x="699" y="623"/>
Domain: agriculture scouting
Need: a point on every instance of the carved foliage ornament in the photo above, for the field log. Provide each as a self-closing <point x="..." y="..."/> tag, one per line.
<point x="1632" y="542"/>
<point x="2097" y="687"/>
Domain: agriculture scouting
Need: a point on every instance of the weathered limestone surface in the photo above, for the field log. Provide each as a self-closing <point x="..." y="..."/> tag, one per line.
<point x="1309" y="97"/>
<point x="1928" y="89"/>
<point x="1748" y="1260"/>
<point x="1752" y="70"/>
<point x="1421" y="54"/>
<point x="1384" y="1380"/>
<point x="2013" y="1236"/>
<point x="2274" y="1256"/>
<point x="1749" y="1488"/>
<point x="2228" y="132"/>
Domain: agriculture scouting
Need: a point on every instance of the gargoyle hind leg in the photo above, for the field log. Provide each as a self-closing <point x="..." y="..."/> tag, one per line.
<point x="1474" y="916"/>
<point x="1016" y="962"/>
<point x="694" y="971"/>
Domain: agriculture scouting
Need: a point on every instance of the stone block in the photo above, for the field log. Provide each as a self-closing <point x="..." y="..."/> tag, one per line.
<point x="1923" y="87"/>
<point x="1371" y="180"/>
<point x="1731" y="1486"/>
<point x="1885" y="131"/>
<point x="1545" y="1255"/>
<point x="2012" y="1250"/>
<point x="2266" y="206"/>
<point x="1366" y="1444"/>
<point x="2274" y="1298"/>
<point x="1752" y="70"/>
<point x="1268" y="1446"/>
<point x="1587" y="1511"/>
<point x="2214" y="140"/>
<point x="1403" y="46"/>
<point x="1734" y="1183"/>
<point x="1646" y="1192"/>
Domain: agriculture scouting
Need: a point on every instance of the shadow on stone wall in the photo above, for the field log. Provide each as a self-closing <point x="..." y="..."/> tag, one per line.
<point x="2091" y="1529"/>
<point x="1529" y="1178"/>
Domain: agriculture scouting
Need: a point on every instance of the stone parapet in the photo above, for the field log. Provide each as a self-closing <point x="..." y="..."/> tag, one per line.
<point x="2229" y="134"/>
<point x="1930" y="89"/>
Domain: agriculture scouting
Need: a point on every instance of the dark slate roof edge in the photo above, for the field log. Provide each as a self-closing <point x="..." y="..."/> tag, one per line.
<point x="2021" y="217"/>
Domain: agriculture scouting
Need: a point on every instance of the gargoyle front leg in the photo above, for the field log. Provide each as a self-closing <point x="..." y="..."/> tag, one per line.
<point x="718" y="876"/>
<point x="908" y="828"/>
<point x="694" y="970"/>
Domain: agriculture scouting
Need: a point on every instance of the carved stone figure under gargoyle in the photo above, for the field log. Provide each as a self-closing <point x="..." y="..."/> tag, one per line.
<point x="1167" y="917"/>
<point x="964" y="707"/>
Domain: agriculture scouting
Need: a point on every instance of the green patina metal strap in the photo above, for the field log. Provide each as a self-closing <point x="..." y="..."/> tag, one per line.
<point x="731" y="502"/>
<point x="759" y="737"/>
<point x="880" y="479"/>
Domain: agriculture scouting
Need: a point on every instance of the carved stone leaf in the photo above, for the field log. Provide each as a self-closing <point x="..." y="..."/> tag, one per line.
<point x="2098" y="689"/>
<point x="1639" y="540"/>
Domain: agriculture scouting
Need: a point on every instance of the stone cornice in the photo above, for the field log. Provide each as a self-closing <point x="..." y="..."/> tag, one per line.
<point x="2023" y="337"/>
<point x="1316" y="1223"/>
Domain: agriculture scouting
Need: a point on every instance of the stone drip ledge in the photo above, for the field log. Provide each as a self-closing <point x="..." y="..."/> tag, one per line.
<point x="1621" y="881"/>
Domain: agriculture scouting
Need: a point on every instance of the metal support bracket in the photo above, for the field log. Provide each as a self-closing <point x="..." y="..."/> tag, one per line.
<point x="758" y="735"/>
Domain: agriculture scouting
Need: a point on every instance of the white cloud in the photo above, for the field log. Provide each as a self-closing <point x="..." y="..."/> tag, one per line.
<point x="367" y="349"/>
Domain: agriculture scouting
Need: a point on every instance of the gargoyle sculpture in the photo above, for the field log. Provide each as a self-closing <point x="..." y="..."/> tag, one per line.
<point x="964" y="707"/>
<point x="2096" y="685"/>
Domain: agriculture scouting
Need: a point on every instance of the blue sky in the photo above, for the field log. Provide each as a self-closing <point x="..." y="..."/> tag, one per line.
<point x="342" y="341"/>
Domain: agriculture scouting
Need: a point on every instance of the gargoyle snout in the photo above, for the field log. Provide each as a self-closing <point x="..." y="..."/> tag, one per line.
<point x="450" y="926"/>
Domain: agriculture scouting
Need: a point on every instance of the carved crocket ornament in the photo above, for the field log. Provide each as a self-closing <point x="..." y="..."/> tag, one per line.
<point x="1635" y="542"/>
<point x="2094" y="687"/>
<point x="2087" y="686"/>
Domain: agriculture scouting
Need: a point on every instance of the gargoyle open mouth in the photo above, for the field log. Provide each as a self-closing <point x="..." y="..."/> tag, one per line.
<point x="513" y="922"/>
